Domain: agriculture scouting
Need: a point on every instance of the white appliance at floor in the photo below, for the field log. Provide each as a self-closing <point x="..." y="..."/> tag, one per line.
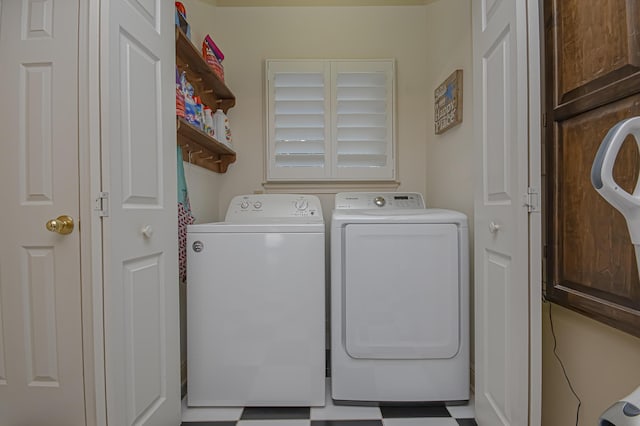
<point x="399" y="300"/>
<point x="256" y="304"/>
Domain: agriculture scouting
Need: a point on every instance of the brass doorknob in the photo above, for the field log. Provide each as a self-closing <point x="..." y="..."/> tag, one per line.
<point x="62" y="225"/>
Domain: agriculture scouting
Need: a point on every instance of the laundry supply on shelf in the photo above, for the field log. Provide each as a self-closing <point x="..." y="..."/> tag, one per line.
<point x="222" y="130"/>
<point x="190" y="109"/>
<point x="181" y="19"/>
<point x="208" y="121"/>
<point x="199" y="111"/>
<point x="179" y="96"/>
<point x="214" y="48"/>
<point x="213" y="56"/>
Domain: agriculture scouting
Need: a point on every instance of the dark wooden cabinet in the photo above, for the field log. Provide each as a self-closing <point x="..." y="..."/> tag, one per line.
<point x="592" y="81"/>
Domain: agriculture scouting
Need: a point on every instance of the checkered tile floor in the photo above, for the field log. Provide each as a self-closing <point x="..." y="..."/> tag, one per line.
<point x="330" y="415"/>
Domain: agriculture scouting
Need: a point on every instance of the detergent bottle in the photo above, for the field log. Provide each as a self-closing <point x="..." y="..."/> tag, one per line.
<point x="222" y="131"/>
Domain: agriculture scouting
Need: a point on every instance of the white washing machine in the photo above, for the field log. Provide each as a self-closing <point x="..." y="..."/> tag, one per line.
<point x="256" y="304"/>
<point x="399" y="300"/>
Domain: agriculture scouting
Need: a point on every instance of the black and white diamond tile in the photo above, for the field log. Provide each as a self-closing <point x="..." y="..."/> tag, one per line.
<point x="331" y="415"/>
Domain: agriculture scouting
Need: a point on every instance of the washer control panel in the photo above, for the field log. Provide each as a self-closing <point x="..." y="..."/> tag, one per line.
<point x="273" y="206"/>
<point x="379" y="200"/>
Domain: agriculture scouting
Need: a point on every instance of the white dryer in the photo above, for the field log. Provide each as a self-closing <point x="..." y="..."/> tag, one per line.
<point x="399" y="300"/>
<point x="256" y="304"/>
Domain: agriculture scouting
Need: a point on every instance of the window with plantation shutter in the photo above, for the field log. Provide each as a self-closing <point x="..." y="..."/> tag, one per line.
<point x="330" y="120"/>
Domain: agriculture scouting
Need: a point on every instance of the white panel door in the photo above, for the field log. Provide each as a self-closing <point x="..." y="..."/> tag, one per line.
<point x="140" y="243"/>
<point x="41" y="363"/>
<point x="501" y="218"/>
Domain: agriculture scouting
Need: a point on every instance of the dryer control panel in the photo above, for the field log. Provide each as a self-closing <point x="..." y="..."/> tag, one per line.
<point x="273" y="206"/>
<point x="379" y="200"/>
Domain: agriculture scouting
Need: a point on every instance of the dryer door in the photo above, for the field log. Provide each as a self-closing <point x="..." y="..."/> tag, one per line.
<point x="401" y="291"/>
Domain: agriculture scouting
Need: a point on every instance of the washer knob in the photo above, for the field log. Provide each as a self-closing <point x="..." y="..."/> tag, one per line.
<point x="302" y="204"/>
<point x="244" y="205"/>
<point x="257" y="204"/>
<point x="379" y="201"/>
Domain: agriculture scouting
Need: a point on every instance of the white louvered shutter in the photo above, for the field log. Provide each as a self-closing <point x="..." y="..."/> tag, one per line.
<point x="298" y="120"/>
<point x="363" y="120"/>
<point x="330" y="120"/>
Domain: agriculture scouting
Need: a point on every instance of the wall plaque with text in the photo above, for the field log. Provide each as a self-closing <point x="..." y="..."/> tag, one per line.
<point x="448" y="103"/>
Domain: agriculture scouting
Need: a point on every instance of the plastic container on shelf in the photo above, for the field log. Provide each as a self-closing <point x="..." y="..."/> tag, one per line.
<point x="213" y="56"/>
<point x="222" y="130"/>
<point x="208" y="121"/>
<point x="180" y="112"/>
<point x="199" y="112"/>
<point x="181" y="19"/>
<point x="190" y="108"/>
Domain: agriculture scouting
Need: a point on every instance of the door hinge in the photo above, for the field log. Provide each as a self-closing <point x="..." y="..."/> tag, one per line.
<point x="102" y="204"/>
<point x="544" y="119"/>
<point x="532" y="200"/>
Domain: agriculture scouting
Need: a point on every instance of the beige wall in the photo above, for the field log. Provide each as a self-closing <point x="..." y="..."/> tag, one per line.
<point x="249" y="35"/>
<point x="449" y="155"/>
<point x="601" y="362"/>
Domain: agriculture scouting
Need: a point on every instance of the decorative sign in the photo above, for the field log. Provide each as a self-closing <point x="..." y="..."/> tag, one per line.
<point x="448" y="103"/>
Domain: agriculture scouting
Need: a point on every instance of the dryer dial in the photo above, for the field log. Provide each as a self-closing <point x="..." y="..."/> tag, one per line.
<point x="379" y="201"/>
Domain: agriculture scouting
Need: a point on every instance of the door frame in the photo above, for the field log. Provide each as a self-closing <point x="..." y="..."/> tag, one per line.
<point x="535" y="31"/>
<point x="90" y="222"/>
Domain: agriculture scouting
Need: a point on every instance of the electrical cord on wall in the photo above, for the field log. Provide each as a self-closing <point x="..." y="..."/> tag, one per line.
<point x="564" y="371"/>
